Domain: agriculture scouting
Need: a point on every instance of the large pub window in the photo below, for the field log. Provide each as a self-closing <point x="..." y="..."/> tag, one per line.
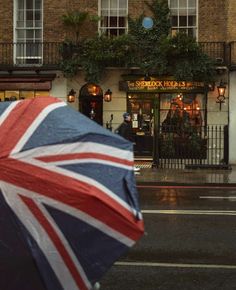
<point x="182" y="125"/>
<point x="187" y="110"/>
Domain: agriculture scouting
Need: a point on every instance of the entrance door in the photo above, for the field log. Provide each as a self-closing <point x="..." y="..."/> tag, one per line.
<point x="141" y="107"/>
<point x="91" y="102"/>
<point x="92" y="108"/>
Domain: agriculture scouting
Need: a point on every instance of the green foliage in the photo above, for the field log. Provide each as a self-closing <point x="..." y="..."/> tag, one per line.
<point x="70" y="67"/>
<point x="161" y="20"/>
<point x="187" y="61"/>
<point x="149" y="44"/>
<point x="100" y="52"/>
<point x="153" y="50"/>
<point x="74" y="20"/>
<point x="160" y="54"/>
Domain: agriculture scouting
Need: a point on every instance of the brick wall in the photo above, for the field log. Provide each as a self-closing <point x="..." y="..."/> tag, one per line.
<point x="212" y="20"/>
<point x="52" y="24"/>
<point x="138" y="7"/>
<point x="217" y="19"/>
<point x="231" y="23"/>
<point x="6" y="25"/>
<point x="53" y="11"/>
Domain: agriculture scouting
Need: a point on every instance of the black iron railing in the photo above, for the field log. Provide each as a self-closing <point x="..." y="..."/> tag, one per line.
<point x="49" y="54"/>
<point x="216" y="50"/>
<point x="192" y="147"/>
<point x="30" y="54"/>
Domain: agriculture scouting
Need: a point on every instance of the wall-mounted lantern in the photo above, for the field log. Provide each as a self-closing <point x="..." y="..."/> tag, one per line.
<point x="71" y="96"/>
<point x="221" y="93"/>
<point x="108" y="95"/>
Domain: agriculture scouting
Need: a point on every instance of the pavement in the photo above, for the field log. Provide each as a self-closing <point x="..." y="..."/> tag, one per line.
<point x="206" y="177"/>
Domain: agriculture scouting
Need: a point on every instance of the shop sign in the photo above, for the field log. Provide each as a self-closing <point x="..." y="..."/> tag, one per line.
<point x="44" y="86"/>
<point x="163" y="85"/>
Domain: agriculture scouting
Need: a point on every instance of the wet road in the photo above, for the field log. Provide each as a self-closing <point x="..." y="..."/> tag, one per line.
<point x="189" y="242"/>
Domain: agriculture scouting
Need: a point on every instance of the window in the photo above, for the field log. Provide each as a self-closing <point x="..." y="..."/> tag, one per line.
<point x="182" y="110"/>
<point x="114" y="14"/>
<point x="184" y="16"/>
<point x="13" y="95"/>
<point x="28" y="31"/>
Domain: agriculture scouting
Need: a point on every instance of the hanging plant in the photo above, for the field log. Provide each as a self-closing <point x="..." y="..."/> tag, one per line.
<point x="70" y="49"/>
<point x="100" y="52"/>
<point x="70" y="67"/>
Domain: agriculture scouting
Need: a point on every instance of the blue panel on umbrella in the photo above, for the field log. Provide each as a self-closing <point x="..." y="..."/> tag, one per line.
<point x="65" y="125"/>
<point x="96" y="251"/>
<point x="15" y="256"/>
<point x="112" y="177"/>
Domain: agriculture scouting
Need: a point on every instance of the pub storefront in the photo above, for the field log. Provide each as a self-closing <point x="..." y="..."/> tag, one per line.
<point x="169" y="119"/>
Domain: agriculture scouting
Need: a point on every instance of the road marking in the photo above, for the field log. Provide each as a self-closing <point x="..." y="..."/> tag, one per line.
<point x="231" y="198"/>
<point x="174" y="265"/>
<point x="188" y="186"/>
<point x="190" y="212"/>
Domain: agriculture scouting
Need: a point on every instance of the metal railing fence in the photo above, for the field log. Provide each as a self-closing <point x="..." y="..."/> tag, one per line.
<point x="51" y="54"/>
<point x="179" y="148"/>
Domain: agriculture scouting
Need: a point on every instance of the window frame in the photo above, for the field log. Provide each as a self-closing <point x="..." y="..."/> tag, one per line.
<point x="28" y="49"/>
<point x="107" y="29"/>
<point x="187" y="27"/>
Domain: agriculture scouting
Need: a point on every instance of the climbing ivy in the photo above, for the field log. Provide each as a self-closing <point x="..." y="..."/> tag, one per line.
<point x="153" y="50"/>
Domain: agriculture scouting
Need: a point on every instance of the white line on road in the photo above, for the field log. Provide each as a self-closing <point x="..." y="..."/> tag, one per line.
<point x="174" y="265"/>
<point x="230" y="187"/>
<point x="190" y="212"/>
<point x="231" y="197"/>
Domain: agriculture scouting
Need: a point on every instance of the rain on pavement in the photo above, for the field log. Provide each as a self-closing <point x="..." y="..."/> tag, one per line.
<point x="189" y="241"/>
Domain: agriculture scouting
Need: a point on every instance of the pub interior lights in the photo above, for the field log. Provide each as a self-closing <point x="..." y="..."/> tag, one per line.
<point x="71" y="96"/>
<point x="221" y="93"/>
<point x="107" y="95"/>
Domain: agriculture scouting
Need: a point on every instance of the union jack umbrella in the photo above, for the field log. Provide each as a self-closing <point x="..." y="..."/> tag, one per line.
<point x="68" y="202"/>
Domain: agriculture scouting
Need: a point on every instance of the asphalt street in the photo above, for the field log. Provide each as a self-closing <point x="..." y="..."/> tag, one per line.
<point x="189" y="241"/>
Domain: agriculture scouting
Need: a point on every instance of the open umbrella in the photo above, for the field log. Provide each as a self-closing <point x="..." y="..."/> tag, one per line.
<point x="68" y="203"/>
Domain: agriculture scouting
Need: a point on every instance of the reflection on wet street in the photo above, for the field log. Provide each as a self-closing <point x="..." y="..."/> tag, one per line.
<point x="189" y="241"/>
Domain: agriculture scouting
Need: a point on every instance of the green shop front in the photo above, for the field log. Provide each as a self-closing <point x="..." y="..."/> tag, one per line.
<point x="169" y="118"/>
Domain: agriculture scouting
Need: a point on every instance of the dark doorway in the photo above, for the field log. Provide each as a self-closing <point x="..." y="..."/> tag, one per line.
<point x="141" y="107"/>
<point x="91" y="102"/>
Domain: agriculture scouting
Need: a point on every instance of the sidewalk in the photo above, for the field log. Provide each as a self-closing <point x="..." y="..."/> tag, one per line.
<point x="187" y="176"/>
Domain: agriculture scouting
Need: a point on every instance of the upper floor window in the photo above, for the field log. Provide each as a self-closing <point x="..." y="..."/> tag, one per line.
<point x="184" y="16"/>
<point x="114" y="17"/>
<point x="28" y="31"/>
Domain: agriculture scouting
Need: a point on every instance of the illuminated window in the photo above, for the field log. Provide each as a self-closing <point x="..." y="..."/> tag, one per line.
<point x="114" y="17"/>
<point x="184" y="16"/>
<point x="182" y="110"/>
<point x="11" y="95"/>
<point x="26" y="94"/>
<point x="42" y="94"/>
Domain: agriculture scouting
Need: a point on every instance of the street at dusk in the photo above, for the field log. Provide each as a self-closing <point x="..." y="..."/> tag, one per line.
<point x="117" y="145"/>
<point x="189" y="241"/>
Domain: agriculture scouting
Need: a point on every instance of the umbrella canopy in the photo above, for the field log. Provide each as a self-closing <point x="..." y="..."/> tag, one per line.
<point x="68" y="203"/>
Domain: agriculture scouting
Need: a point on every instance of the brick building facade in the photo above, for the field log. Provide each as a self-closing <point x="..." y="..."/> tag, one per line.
<point x="214" y="24"/>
